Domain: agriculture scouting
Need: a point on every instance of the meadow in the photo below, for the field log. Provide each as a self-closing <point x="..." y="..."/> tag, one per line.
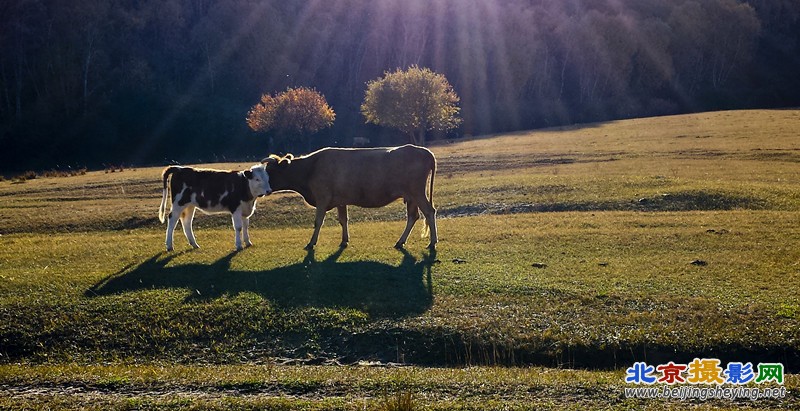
<point x="565" y="255"/>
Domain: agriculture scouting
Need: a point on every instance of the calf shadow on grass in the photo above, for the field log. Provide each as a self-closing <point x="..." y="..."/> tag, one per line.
<point x="381" y="290"/>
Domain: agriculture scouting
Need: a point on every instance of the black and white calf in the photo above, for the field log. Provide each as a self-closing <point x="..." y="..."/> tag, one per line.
<point x="212" y="191"/>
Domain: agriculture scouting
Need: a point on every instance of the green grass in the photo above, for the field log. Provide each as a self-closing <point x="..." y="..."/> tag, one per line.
<point x="613" y="282"/>
<point x="561" y="248"/>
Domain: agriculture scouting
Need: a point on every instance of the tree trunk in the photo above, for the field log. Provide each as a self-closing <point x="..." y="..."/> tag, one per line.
<point x="412" y="137"/>
<point x="18" y="86"/>
<point x="86" y="68"/>
<point x="210" y="67"/>
<point x="7" y="110"/>
<point x="91" y="36"/>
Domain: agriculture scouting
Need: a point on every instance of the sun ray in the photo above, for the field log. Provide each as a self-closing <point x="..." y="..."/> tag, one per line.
<point x="194" y="91"/>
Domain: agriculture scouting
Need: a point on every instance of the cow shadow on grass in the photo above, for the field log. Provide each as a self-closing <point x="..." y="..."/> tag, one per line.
<point x="379" y="289"/>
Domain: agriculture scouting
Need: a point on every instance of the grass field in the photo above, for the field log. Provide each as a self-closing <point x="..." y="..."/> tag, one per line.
<point x="565" y="255"/>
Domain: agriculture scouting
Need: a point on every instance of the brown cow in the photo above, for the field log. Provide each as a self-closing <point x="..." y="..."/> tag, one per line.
<point x="366" y="177"/>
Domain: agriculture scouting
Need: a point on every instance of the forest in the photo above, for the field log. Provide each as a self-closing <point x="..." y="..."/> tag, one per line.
<point x="147" y="82"/>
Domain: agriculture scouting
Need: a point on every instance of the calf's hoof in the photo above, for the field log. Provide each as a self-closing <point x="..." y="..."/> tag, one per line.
<point x="309" y="247"/>
<point x="400" y="246"/>
<point x="169" y="249"/>
<point x="432" y="246"/>
<point x="343" y="244"/>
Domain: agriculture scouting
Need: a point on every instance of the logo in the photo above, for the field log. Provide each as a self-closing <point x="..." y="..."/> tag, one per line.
<point x="705" y="378"/>
<point x="704" y="371"/>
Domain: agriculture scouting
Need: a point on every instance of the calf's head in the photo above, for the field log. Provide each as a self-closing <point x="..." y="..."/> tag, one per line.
<point x="258" y="179"/>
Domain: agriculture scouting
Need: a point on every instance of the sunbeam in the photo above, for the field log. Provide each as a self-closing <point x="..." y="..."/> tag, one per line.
<point x="215" y="62"/>
<point x="118" y="82"/>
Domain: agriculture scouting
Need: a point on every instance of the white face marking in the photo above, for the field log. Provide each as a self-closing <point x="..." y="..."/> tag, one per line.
<point x="259" y="183"/>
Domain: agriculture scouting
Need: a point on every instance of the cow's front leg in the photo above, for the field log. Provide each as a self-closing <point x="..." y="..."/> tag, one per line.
<point x="343" y="221"/>
<point x="237" y="229"/>
<point x="318" y="221"/>
<point x="187" y="216"/>
<point x="172" y="223"/>
<point x="246" y="232"/>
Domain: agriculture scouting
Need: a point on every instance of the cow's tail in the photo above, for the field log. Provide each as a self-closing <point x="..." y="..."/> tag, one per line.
<point x="433" y="174"/>
<point x="166" y="177"/>
<point x="426" y="227"/>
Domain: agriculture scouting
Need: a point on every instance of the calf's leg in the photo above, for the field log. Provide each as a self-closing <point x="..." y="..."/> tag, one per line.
<point x="187" y="216"/>
<point x="237" y="228"/>
<point x="245" y="231"/>
<point x="343" y="221"/>
<point x="172" y="223"/>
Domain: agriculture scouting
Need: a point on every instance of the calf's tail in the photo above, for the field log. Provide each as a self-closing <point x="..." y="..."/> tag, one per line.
<point x="166" y="177"/>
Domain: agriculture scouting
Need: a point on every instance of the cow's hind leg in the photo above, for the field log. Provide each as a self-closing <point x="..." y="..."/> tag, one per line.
<point x="343" y="221"/>
<point x="187" y="216"/>
<point x="172" y="223"/>
<point x="412" y="213"/>
<point x="430" y="219"/>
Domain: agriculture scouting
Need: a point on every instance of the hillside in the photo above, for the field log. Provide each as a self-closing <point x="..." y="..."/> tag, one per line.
<point x="602" y="166"/>
<point x="590" y="247"/>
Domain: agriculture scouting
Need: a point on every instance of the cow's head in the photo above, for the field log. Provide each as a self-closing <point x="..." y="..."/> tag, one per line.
<point x="258" y="179"/>
<point x="277" y="167"/>
<point x="274" y="162"/>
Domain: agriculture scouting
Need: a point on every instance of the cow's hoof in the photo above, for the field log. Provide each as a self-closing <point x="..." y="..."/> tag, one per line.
<point x="169" y="249"/>
<point x="195" y="246"/>
<point x="343" y="244"/>
<point x="309" y="247"/>
<point x="432" y="246"/>
<point x="248" y="244"/>
<point x="400" y="246"/>
<point x="239" y="248"/>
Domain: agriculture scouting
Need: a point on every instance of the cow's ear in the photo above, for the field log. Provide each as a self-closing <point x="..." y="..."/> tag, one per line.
<point x="285" y="160"/>
<point x="248" y="173"/>
<point x="271" y="161"/>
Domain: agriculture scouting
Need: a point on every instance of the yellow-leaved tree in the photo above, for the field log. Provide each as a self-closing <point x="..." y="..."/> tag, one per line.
<point x="297" y="112"/>
<point x="413" y="101"/>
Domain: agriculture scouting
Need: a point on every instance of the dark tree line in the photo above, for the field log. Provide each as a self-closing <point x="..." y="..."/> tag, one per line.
<point x="146" y="81"/>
